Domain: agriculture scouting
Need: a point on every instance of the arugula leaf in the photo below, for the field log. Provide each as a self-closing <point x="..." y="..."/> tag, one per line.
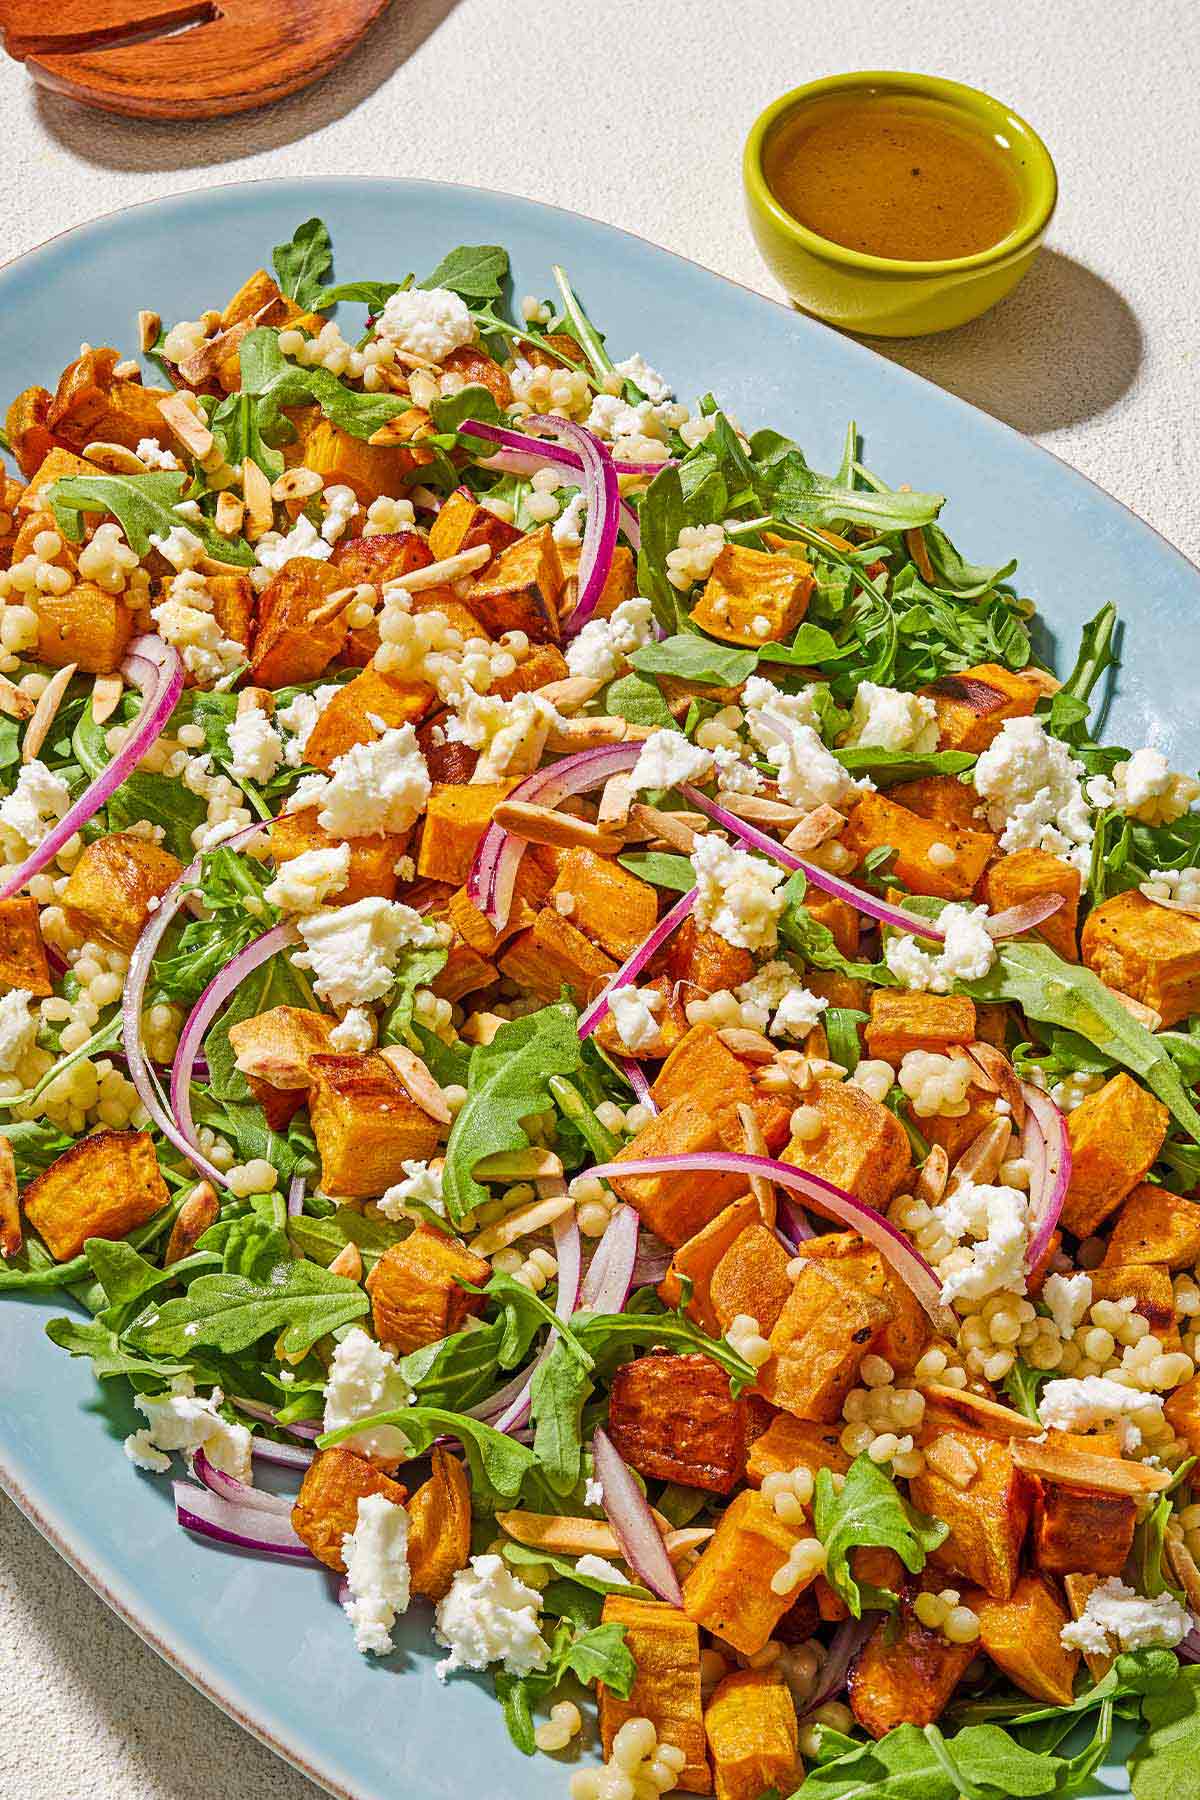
<point x="471" y="402"/>
<point x="144" y="504"/>
<point x="323" y="1239"/>
<point x="981" y="1762"/>
<point x="814" y="942"/>
<point x="970" y="581"/>
<point x="374" y="295"/>
<point x="303" y="264"/>
<point x="661" y="518"/>
<point x="507" y="1082"/>
<point x="869" y="1510"/>
<point x="639" y="700"/>
<point x="887" y="766"/>
<point x="1021" y="1384"/>
<point x="159" y="800"/>
<point x="236" y="423"/>
<point x="1134" y="1673"/>
<point x="274" y="383"/>
<point x="520" y="1555"/>
<point x="499" y="1465"/>
<point x="662" y="868"/>
<point x="473" y="271"/>
<point x="598" y="1654"/>
<point x="841" y="1031"/>
<point x="301" y="1300"/>
<point x="787" y="487"/>
<point x="415" y="968"/>
<point x="1164" y="1762"/>
<point x="1066" y="712"/>
<point x="690" y="657"/>
<point x="811" y="644"/>
<point x="79" y="1337"/>
<point x="455" y="1372"/>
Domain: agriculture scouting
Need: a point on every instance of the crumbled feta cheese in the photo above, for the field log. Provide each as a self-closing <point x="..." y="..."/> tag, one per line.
<point x="307" y="880"/>
<point x="255" y="747"/>
<point x="733" y="775"/>
<point x="355" y="1034"/>
<point x="593" y="1492"/>
<point x="633" y="1011"/>
<point x="38" y="801"/>
<point x="1090" y="1402"/>
<point x="612" y="418"/>
<point x="184" y="1420"/>
<point x="667" y="759"/>
<point x="273" y="550"/>
<point x="377" y="1573"/>
<point x="429" y="322"/>
<point x="887" y="719"/>
<point x="568" y="527"/>
<point x="1068" y="1297"/>
<point x="381" y="786"/>
<point x="298" y="719"/>
<point x="603" y="647"/>
<point x="365" y="1379"/>
<point x="509" y="735"/>
<point x="764" y="704"/>
<point x="181" y="547"/>
<point x="737" y="894"/>
<point x="18" y="1029"/>
<point x="808" y="775"/>
<point x="489" y="1616"/>
<point x="967" y="953"/>
<point x="1116" y="1617"/>
<point x="776" y="988"/>
<point x="341" y="504"/>
<point x="352" y="950"/>
<point x="422" y="1186"/>
<point x="151" y="452"/>
<point x="600" y="1569"/>
<point x="1030" y="784"/>
<point x="990" y="1226"/>
<point x="186" y="620"/>
<point x="635" y="368"/>
<point x="1145" y="786"/>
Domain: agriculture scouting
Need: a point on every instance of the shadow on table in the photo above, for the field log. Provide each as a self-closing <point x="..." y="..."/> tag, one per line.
<point x="112" y="142"/>
<point x="1064" y="347"/>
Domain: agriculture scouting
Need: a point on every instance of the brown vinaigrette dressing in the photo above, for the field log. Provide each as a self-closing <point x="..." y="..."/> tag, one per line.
<point x="900" y="177"/>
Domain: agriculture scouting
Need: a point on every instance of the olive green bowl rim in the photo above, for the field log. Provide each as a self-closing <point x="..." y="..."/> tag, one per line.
<point x="1037" y="208"/>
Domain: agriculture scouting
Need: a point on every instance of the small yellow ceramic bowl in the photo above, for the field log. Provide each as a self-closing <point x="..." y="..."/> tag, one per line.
<point x="874" y="294"/>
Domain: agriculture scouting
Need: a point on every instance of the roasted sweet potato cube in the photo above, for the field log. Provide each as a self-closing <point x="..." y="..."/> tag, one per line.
<point x="464" y="972"/>
<point x="365" y="1125"/>
<point x="666" y="1648"/>
<point x="519" y="590"/>
<point x="905" y="1337"/>
<point x="751" y="1278"/>
<point x="92" y="402"/>
<point x="56" y="465"/>
<point x="27" y="430"/>
<point x="1115" y="1133"/>
<point x="839" y="990"/>
<point x="704" y="960"/>
<point x="1021" y="1635"/>
<point x="380" y="556"/>
<point x="838" y="918"/>
<point x="791" y="1443"/>
<point x="616" y="909"/>
<point x="85" y="626"/>
<point x="278" y="1046"/>
<point x="258" y="290"/>
<point x="1182" y="1411"/>
<point x="455" y="820"/>
<point x="1155" y="1226"/>
<point x="350" y="717"/>
<point x="327" y="1505"/>
<point x="233" y="606"/>
<point x="1033" y="875"/>
<point x="674" y="1206"/>
<point x="1146" y="950"/>
<point x="942" y="799"/>
<point x="901" y="1022"/>
<point x="620" y="584"/>
<point x="749" y="586"/>
<point x="544" y="664"/>
<point x="1148" y="1285"/>
<point x="1081" y="1530"/>
<point x="818" y="1342"/>
<point x="554" y="954"/>
<point x="370" y="469"/>
<point x="113" y="888"/>
<point x="728" y="1591"/>
<point x="696" y="1260"/>
<point x="477" y="369"/>
<point x="904" y="1676"/>
<point x="416" y="1289"/>
<point x="752" y="1732"/>
<point x="703" y="1066"/>
<point x="967" y="720"/>
<point x="10" y="493"/>
<point x="439" y="1528"/>
<point x="876" y="821"/>
<point x="104" y="1186"/>
<point x="672" y="1419"/>
<point x="463" y="523"/>
<point x="22" y="953"/>
<point x="988" y="1518"/>
<point x="372" y="859"/>
<point x="862" y="1147"/>
<point x="292" y="644"/>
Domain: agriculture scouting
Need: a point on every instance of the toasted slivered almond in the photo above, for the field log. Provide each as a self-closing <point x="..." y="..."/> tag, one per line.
<point x="1144" y="1015"/>
<point x="637" y="734"/>
<point x="815" y="829"/>
<point x="616" y="798"/>
<point x="914" y="543"/>
<point x="761" y="811"/>
<point x="260" y="515"/>
<point x="1042" y="678"/>
<point x="49" y="701"/>
<point x="981" y="1159"/>
<point x="411" y="360"/>
<point x="192" y="432"/>
<point x="417" y="1080"/>
<point x="198" y="1212"/>
<point x="755" y="1145"/>
<point x="438" y="574"/>
<point x="231" y="513"/>
<point x="115" y="459"/>
<point x="574" y="691"/>
<point x="526" y="1219"/>
<point x="560" y="1536"/>
<point x="542" y="825"/>
<point x="985" y="1415"/>
<point x="213" y="565"/>
<point x="10" y="1211"/>
<point x="952" y="1461"/>
<point x="336" y="603"/>
<point x="481" y="1027"/>
<point x="297" y="484"/>
<point x="999" y="1072"/>
<point x="930" y="1184"/>
<point x="586" y="734"/>
<point x="531" y="1164"/>
<point x="1079" y="1468"/>
<point x="348" y="1262"/>
<point x="13" y="702"/>
<point x="752" y="1046"/>
<point x="404" y="428"/>
<point x="149" y="325"/>
<point x="255" y="699"/>
<point x="424" y="388"/>
<point x="678" y="829"/>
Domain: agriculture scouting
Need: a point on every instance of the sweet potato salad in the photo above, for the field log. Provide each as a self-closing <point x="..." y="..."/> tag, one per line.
<point x="577" y="995"/>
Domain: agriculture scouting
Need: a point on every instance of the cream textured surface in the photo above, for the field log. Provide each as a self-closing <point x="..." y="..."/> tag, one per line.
<point x="636" y="115"/>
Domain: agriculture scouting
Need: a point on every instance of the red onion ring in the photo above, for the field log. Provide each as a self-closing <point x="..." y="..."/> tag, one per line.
<point x="603" y="513"/>
<point x="286" y="1456"/>
<point x="887" y="1238"/>
<point x="637" y="960"/>
<point x="1016" y="919"/>
<point x="629" y="1514"/>
<point x="610" y="1272"/>
<point x="844" y="1646"/>
<point x="157" y="670"/>
<point x="569" y="1252"/>
<point x="271" y="1534"/>
<point x="537" y="448"/>
<point x="794" y="1226"/>
<point x="511" y="462"/>
<point x="295" y="1196"/>
<point x="1046" y="1198"/>
<point x="635" y="1075"/>
<point x="228" y="1487"/>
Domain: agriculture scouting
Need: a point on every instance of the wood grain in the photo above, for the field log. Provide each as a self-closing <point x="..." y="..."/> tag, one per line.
<point x="182" y="59"/>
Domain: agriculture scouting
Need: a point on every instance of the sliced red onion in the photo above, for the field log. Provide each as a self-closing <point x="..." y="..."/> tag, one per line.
<point x="1015" y="919"/>
<point x="895" y="916"/>
<point x="653" y="1262"/>
<point x="1188" y="1649"/>
<point x="602" y="501"/>
<point x="228" y="1522"/>
<point x="568" y="1251"/>
<point x="295" y="1196"/>
<point x="512" y="462"/>
<point x="637" y="960"/>
<point x="255" y="1409"/>
<point x="140" y="963"/>
<point x="494" y="870"/>
<point x="793" y="1223"/>
<point x="539" y="451"/>
<point x="610" y="1272"/>
<point x="228" y="1487"/>
<point x="635" y="1075"/>
<point x="887" y="1238"/>
<point x="1053" y="1177"/>
<point x="844" y="1646"/>
<point x="202" y="1014"/>
<point x="629" y="1514"/>
<point x="284" y="1456"/>
<point x="157" y="670"/>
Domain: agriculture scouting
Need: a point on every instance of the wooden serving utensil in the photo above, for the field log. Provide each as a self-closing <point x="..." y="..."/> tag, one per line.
<point x="182" y="59"/>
